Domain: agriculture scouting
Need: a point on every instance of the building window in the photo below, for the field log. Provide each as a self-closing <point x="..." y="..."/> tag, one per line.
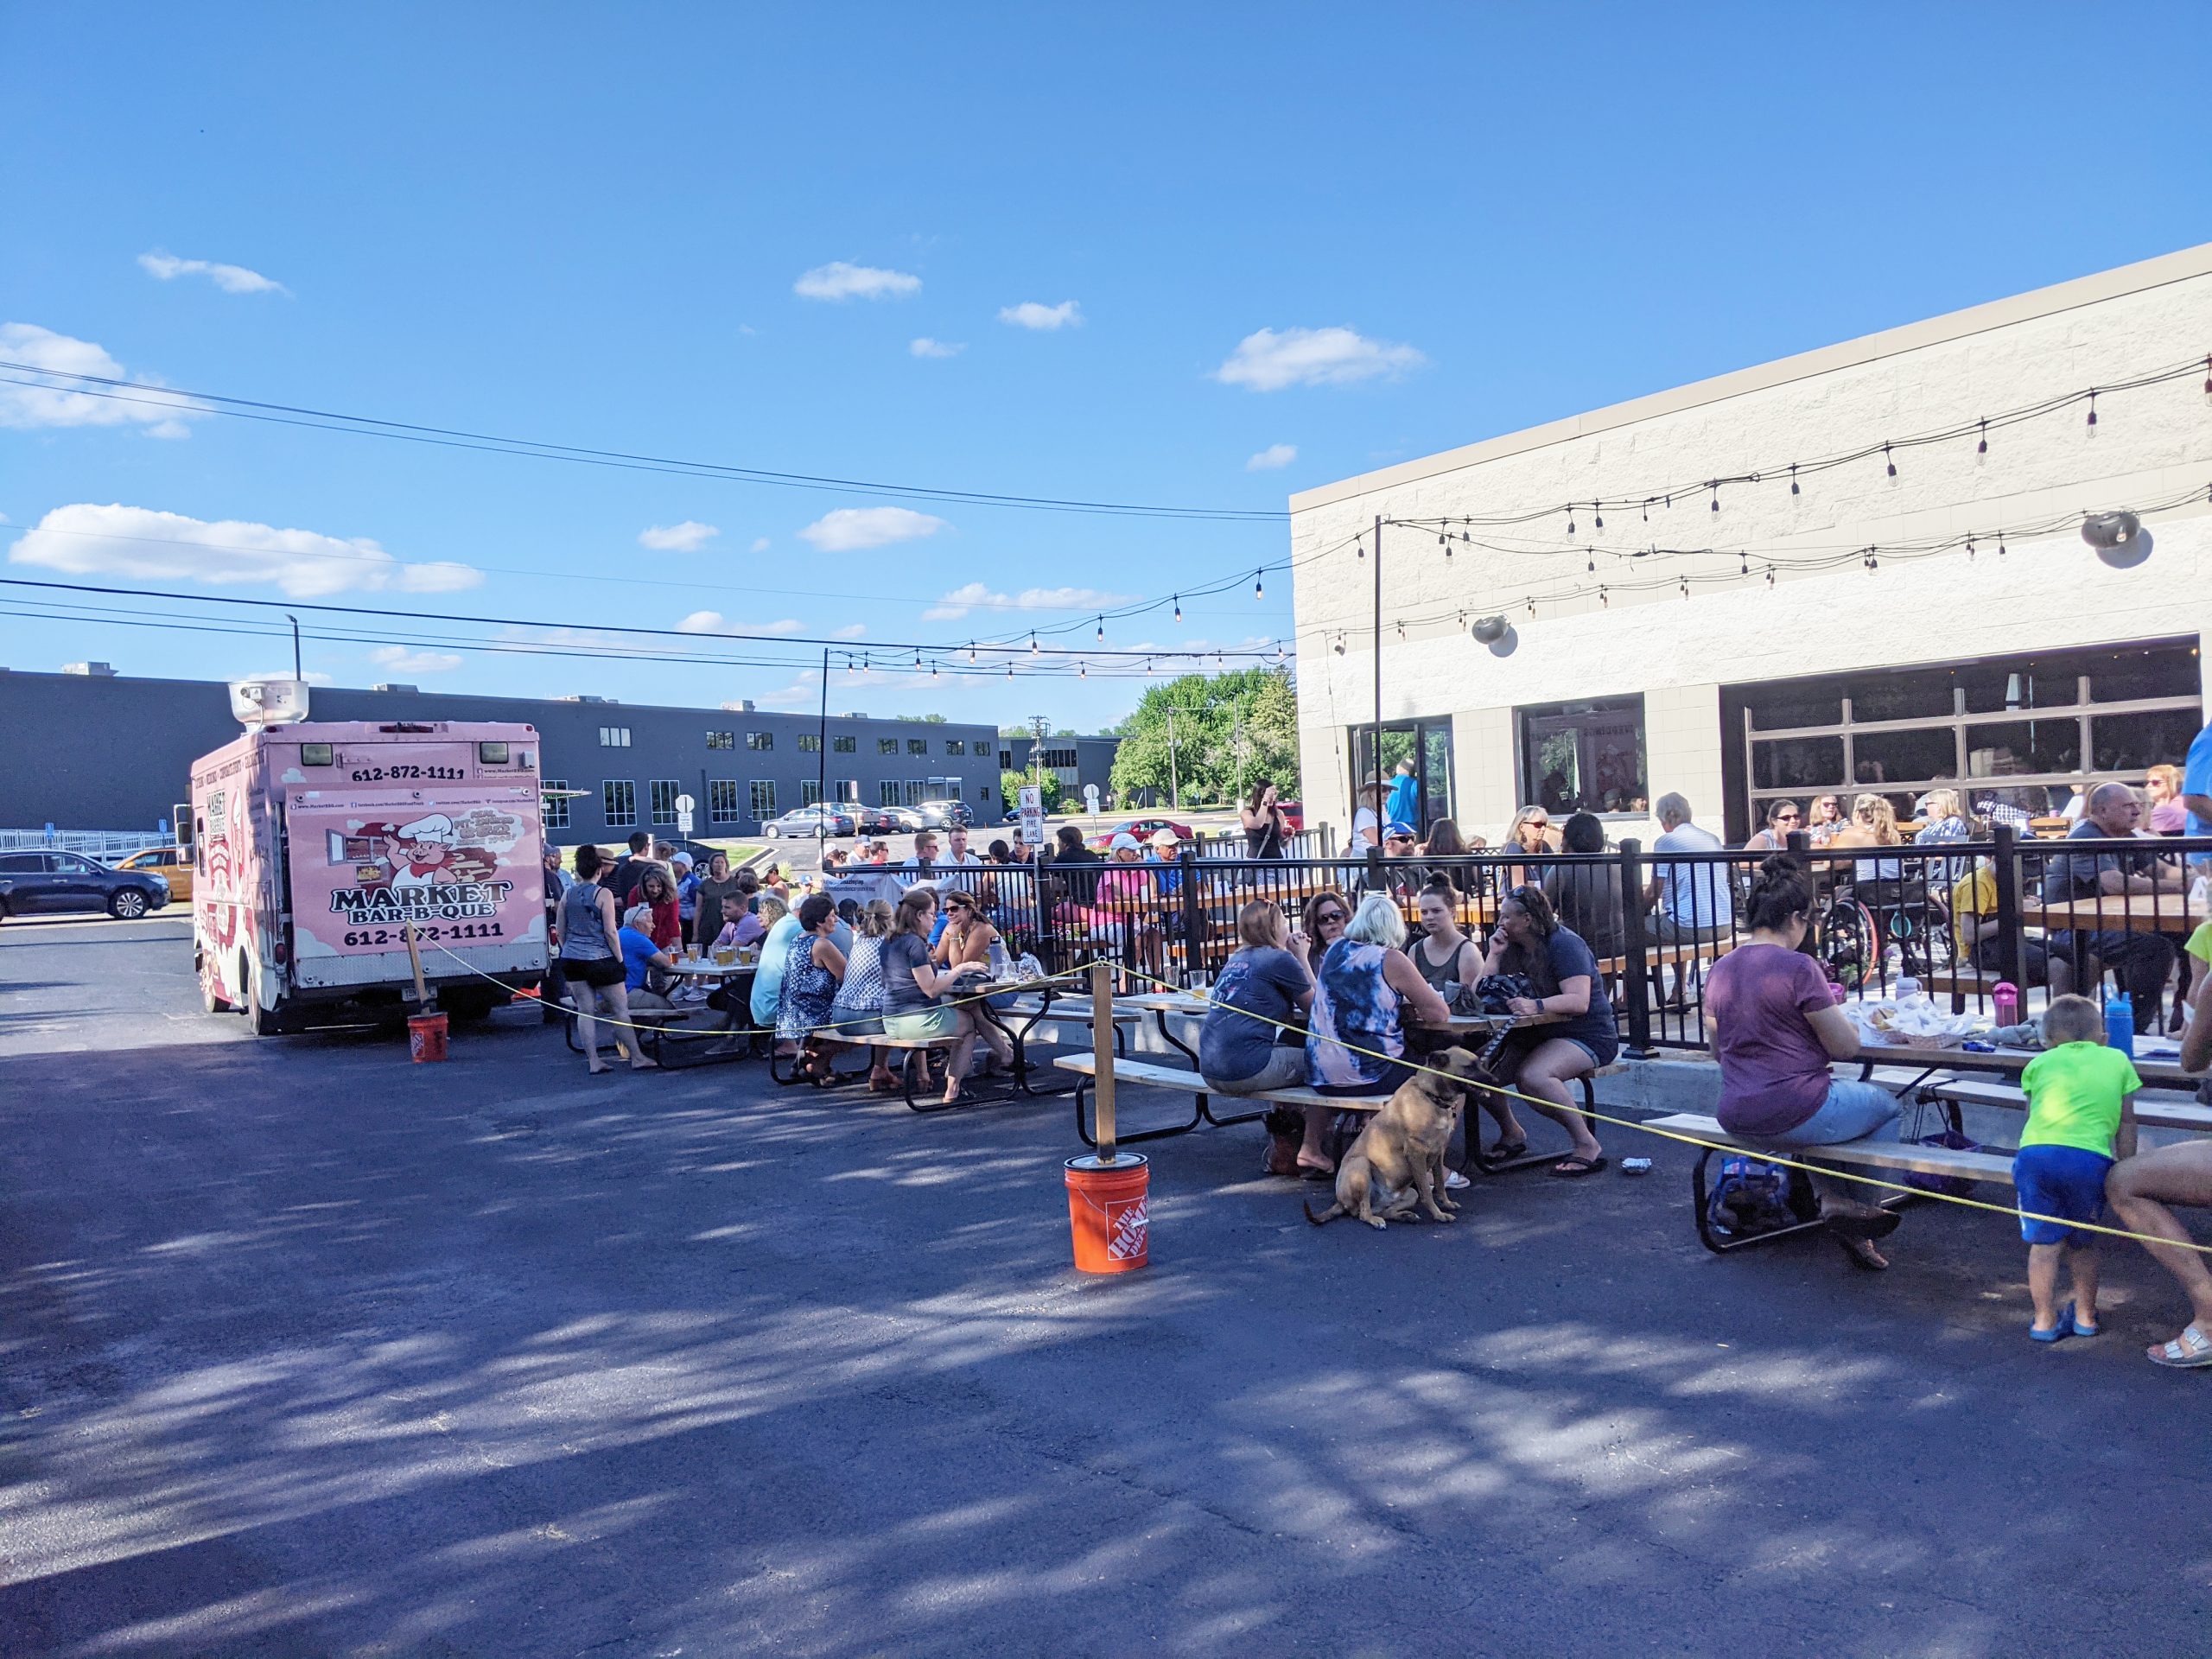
<point x="722" y="802"/>
<point x="1006" y="760"/>
<point x="1059" y="760"/>
<point x="985" y="793"/>
<point x="848" y="789"/>
<point x="843" y="745"/>
<point x="617" y="804"/>
<point x="917" y="746"/>
<point x="2014" y="731"/>
<point x="888" y="794"/>
<point x="1584" y="757"/>
<point x="614" y="737"/>
<point x="661" y="793"/>
<point x="764" y="797"/>
<point x="759" y="740"/>
<point x="809" y="792"/>
<point x="955" y="745"/>
<point x="887" y="746"/>
<point x="810" y="742"/>
<point x="721" y="740"/>
<point x="553" y="791"/>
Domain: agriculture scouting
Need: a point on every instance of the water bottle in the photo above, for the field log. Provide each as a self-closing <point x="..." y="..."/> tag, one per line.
<point x="2119" y="1023"/>
<point x="998" y="959"/>
<point x="2005" y="997"/>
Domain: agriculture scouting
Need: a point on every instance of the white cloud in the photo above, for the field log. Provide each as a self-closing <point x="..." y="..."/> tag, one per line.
<point x="401" y="660"/>
<point x="927" y="347"/>
<point x="1030" y="314"/>
<point x="850" y="528"/>
<point x="687" y="538"/>
<point x="1267" y="361"/>
<point x="850" y="630"/>
<point x="715" y="622"/>
<point x="839" y="281"/>
<point x="87" y="540"/>
<point x="162" y="413"/>
<point x="232" y="279"/>
<point x="759" y="544"/>
<point x="976" y="596"/>
<point x="1275" y="455"/>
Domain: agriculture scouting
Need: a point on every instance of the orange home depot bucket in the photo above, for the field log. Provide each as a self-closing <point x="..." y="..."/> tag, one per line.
<point x="1106" y="1206"/>
<point x="426" y="1037"/>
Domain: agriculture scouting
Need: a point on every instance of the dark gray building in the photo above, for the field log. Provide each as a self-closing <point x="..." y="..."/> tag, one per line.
<point x="1074" y="760"/>
<point x="89" y="751"/>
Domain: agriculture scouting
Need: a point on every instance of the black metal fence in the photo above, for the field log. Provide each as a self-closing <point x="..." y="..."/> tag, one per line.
<point x="1950" y="918"/>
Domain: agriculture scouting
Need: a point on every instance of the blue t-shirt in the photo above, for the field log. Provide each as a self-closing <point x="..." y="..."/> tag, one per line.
<point x="1403" y="805"/>
<point x="1259" y="980"/>
<point x="2196" y="779"/>
<point x="637" y="952"/>
<point x="2074" y="875"/>
<point x="1567" y="955"/>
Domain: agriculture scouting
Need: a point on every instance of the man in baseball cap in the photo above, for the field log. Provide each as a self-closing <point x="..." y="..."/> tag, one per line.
<point x="1124" y="842"/>
<point x="1397" y="839"/>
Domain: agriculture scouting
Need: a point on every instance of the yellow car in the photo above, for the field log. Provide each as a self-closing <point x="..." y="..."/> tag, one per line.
<point x="170" y="864"/>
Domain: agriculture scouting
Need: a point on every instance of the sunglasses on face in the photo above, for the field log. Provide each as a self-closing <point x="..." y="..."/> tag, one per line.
<point x="957" y="905"/>
<point x="1328" y="917"/>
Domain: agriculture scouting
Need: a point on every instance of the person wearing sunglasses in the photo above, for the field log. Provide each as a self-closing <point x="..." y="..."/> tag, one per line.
<point x="966" y="937"/>
<point x="1539" y="1061"/>
<point x="1782" y="820"/>
<point x="1320" y="924"/>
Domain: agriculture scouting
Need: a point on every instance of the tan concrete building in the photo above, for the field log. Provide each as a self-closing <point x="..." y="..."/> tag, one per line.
<point x="1754" y="651"/>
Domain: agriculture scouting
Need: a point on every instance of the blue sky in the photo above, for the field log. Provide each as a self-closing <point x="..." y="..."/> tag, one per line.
<point x="595" y="226"/>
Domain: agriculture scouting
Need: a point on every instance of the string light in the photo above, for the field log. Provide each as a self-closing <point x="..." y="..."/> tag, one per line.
<point x="1769" y="576"/>
<point x="1083" y="670"/>
<point x="2208" y="374"/>
<point x="1793" y="478"/>
<point x="1102" y="630"/>
<point x="1716" y="495"/>
<point x="1179" y="607"/>
<point x="1746" y="560"/>
<point x="934" y="671"/>
<point x="971" y="651"/>
<point x="1532" y="605"/>
<point x="2093" y="409"/>
<point x="1032" y="642"/>
<point x="1686" y="587"/>
<point x="1598" y="509"/>
<point x="1885" y="456"/>
<point x="1602" y="598"/>
<point x="1009" y="671"/>
<point x="1258" y="591"/>
<point x="1570" y="521"/>
<point x="1592" y="566"/>
<point x="1982" y="448"/>
<point x="1359" y="546"/>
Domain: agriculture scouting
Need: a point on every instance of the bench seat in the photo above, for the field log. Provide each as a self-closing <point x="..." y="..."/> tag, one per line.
<point x="1872" y="1154"/>
<point x="2005" y="1096"/>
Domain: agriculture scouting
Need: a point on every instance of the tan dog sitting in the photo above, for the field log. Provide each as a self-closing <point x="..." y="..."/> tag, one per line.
<point x="1397" y="1164"/>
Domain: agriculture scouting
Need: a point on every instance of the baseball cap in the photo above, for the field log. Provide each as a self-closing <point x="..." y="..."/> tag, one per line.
<point x="1395" y="829"/>
<point x="1165" y="837"/>
<point x="1122" y="842"/>
<point x="682" y="858"/>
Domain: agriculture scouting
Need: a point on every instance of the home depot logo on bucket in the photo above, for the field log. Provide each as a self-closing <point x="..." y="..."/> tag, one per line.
<point x="1125" y="1231"/>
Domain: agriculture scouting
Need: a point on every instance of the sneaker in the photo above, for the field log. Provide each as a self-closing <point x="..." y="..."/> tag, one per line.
<point x="1453" y="1180"/>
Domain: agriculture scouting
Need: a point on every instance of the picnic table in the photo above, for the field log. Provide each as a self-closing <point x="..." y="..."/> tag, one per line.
<point x="2135" y="912"/>
<point x="1999" y="1062"/>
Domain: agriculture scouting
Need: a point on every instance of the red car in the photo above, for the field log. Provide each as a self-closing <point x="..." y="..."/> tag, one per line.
<point x="1143" y="829"/>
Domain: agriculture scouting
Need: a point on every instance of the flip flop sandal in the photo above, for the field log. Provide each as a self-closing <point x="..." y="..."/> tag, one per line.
<point x="2057" y="1332"/>
<point x="1307" y="1172"/>
<point x="1504" y="1153"/>
<point x="1847" y="1225"/>
<point x="2190" y="1352"/>
<point x="1575" y="1166"/>
<point x="2072" y="1322"/>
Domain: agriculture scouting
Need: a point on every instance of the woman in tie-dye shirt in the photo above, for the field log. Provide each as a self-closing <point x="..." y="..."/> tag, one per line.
<point x="1366" y="986"/>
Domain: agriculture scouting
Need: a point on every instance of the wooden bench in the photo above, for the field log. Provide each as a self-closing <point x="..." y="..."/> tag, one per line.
<point x="2005" y="1096"/>
<point x="908" y="1048"/>
<point x="1075" y="1012"/>
<point x="1145" y="1074"/>
<point x="1958" y="983"/>
<point x="1902" y="1155"/>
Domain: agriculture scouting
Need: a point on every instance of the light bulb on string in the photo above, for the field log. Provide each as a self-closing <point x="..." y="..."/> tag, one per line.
<point x="1686" y="587"/>
<point x="1032" y="642"/>
<point x="1793" y="478"/>
<point x="1570" y="521"/>
<point x="1893" y="465"/>
<point x="1716" y="497"/>
<point x="2093" y="409"/>
<point x="1179" y="607"/>
<point x="1744" y="563"/>
<point x="1982" y="448"/>
<point x="1258" y="591"/>
<point x="1532" y="606"/>
<point x="1102" y="630"/>
<point x="1647" y="508"/>
<point x="971" y="651"/>
<point x="1597" y="510"/>
<point x="1602" y="598"/>
<point x="935" y="672"/>
<point x="2208" y="374"/>
<point x="1009" y="671"/>
<point x="1769" y="576"/>
<point x="1593" y="555"/>
<point x="1083" y="670"/>
<point x="1969" y="547"/>
<point x="1359" y="546"/>
<point x="2000" y="544"/>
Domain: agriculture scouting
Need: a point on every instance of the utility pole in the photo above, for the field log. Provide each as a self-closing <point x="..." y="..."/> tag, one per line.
<point x="1039" y="726"/>
<point x="821" y="763"/>
<point x="1174" y="784"/>
<point x="1378" y="644"/>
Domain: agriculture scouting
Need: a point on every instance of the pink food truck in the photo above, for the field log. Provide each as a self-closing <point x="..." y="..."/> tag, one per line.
<point x="315" y="844"/>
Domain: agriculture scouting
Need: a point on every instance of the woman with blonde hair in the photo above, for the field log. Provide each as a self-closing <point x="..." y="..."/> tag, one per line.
<point x="921" y="1004"/>
<point x="2162" y="790"/>
<point x="1874" y="824"/>
<point x="1366" y="982"/>
<point x="1529" y="832"/>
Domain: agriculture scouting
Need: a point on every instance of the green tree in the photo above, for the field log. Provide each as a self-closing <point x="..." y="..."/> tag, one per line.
<point x="1010" y="784"/>
<point x="1230" y="731"/>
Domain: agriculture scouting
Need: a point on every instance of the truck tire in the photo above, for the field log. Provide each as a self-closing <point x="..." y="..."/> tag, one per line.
<point x="262" y="1022"/>
<point x="127" y="905"/>
<point x="475" y="1002"/>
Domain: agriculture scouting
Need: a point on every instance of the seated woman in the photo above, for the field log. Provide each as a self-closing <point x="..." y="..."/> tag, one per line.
<point x="779" y="928"/>
<point x="1587" y="898"/>
<point x="1357" y="1036"/>
<point x="1782" y="818"/>
<point x="812" y="971"/>
<point x="1244" y="1047"/>
<point x="1824" y="820"/>
<point x="858" y="1011"/>
<point x="1775" y="1029"/>
<point x="1529" y="832"/>
<point x="1320" y="924"/>
<point x="1530" y="941"/>
<point x="1943" y="818"/>
<point x="915" y="1008"/>
<point x="968" y="935"/>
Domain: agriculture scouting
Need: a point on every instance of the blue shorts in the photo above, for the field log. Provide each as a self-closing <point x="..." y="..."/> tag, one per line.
<point x="2065" y="1181"/>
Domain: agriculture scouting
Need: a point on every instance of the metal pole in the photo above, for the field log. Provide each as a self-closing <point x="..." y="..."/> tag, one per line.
<point x="1377" y="643"/>
<point x="295" y="621"/>
<point x="821" y="763"/>
<point x="1102" y="1050"/>
<point x="1174" y="784"/>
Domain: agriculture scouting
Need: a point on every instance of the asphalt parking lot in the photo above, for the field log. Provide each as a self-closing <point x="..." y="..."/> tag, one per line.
<point x="305" y="1351"/>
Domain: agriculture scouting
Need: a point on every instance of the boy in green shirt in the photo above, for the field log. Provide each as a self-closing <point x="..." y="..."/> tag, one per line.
<point x="2081" y="1116"/>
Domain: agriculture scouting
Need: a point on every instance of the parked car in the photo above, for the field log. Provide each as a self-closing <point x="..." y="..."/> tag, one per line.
<point x="42" y="883"/>
<point x="172" y="864"/>
<point x="1294" y="815"/>
<point x="808" y="822"/>
<point x="1143" y="829"/>
<point x="886" y="820"/>
<point x="908" y="819"/>
<point x="944" y="815"/>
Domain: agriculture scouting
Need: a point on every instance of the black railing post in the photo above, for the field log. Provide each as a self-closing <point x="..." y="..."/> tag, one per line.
<point x="1376" y="883"/>
<point x="1636" y="978"/>
<point x="1193" y="915"/>
<point x="2011" y="958"/>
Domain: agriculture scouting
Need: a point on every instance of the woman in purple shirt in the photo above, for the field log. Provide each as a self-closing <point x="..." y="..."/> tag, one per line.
<point x="1776" y="1028"/>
